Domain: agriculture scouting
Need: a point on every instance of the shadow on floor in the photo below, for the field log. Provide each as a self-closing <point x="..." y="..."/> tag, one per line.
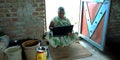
<point x="113" y="48"/>
<point x="111" y="51"/>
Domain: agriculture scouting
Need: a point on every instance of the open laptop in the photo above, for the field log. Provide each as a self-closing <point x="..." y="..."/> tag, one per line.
<point x="62" y="30"/>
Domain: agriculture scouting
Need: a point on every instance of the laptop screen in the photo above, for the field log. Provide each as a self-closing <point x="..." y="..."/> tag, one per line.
<point x="62" y="30"/>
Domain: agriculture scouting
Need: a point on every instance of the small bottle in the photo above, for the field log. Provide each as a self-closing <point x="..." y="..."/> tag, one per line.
<point x="41" y="54"/>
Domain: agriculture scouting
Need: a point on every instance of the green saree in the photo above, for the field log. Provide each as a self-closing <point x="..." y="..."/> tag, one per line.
<point x="63" y="40"/>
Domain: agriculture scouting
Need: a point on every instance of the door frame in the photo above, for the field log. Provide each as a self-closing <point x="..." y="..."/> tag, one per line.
<point x="102" y="45"/>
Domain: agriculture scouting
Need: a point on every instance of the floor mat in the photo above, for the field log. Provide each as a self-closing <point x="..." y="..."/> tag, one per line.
<point x="72" y="52"/>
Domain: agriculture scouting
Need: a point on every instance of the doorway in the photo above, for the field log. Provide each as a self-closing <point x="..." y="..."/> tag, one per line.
<point x="71" y="11"/>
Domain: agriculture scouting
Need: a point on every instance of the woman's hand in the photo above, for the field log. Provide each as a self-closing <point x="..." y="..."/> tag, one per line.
<point x="51" y="25"/>
<point x="70" y="34"/>
<point x="50" y="28"/>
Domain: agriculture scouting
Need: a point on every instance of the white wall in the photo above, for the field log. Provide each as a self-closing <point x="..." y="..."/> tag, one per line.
<point x="71" y="9"/>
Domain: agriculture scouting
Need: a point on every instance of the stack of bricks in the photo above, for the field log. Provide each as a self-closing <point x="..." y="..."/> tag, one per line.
<point x="21" y="19"/>
<point x="113" y="31"/>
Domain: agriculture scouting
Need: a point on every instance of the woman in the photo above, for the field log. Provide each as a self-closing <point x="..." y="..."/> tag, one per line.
<point x="57" y="21"/>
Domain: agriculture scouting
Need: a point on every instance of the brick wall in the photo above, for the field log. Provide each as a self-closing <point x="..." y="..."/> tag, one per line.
<point x="113" y="31"/>
<point x="21" y="19"/>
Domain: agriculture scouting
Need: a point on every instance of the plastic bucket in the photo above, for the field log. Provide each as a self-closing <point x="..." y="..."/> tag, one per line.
<point x="5" y="39"/>
<point x="29" y="48"/>
<point x="2" y="48"/>
<point x="13" y="53"/>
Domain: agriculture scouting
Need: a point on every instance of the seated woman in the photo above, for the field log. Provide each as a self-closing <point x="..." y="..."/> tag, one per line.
<point x="57" y="21"/>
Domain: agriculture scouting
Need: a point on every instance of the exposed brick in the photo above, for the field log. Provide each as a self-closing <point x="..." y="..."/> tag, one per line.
<point x="43" y="17"/>
<point x="11" y="5"/>
<point x="38" y="0"/>
<point x="42" y="4"/>
<point x="7" y="5"/>
<point x="2" y="1"/>
<point x="35" y="13"/>
<point x="35" y="5"/>
<point x="2" y="5"/>
<point x="41" y="9"/>
<point x="19" y="24"/>
<point x="11" y="1"/>
<point x="14" y="14"/>
<point x="14" y="10"/>
<point x="41" y="13"/>
<point x="11" y="28"/>
<point x="11" y="35"/>
<point x="15" y="24"/>
<point x="42" y="1"/>
<point x="114" y="22"/>
<point x="22" y="0"/>
<point x="33" y="0"/>
<point x="0" y="10"/>
<point x="38" y="9"/>
<point x="6" y="19"/>
<point x="1" y="14"/>
<point x="5" y="10"/>
<point x="15" y="19"/>
<point x="8" y="15"/>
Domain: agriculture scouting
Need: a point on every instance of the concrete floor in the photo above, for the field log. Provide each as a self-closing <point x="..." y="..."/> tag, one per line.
<point x="96" y="54"/>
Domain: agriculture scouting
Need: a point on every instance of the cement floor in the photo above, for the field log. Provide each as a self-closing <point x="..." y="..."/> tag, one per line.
<point x="96" y="54"/>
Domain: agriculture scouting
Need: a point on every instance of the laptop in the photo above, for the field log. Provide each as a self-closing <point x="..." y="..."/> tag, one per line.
<point x="62" y="30"/>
